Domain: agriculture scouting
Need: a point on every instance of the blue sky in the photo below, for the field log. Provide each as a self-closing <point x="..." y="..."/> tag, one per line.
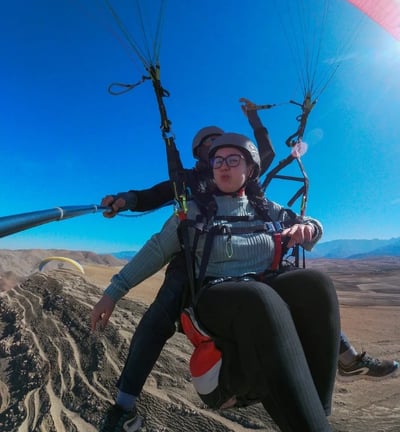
<point x="67" y="141"/>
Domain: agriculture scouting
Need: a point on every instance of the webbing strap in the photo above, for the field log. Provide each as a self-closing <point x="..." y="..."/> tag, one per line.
<point x="206" y="256"/>
<point x="183" y="228"/>
<point x="306" y="108"/>
<point x="237" y="218"/>
<point x="175" y="167"/>
<point x="277" y="236"/>
<point x="269" y="227"/>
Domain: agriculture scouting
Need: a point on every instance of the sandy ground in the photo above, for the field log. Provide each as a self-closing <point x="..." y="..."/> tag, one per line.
<point x="57" y="376"/>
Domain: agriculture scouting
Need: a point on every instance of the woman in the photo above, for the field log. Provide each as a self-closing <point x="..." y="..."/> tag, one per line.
<point x="285" y="334"/>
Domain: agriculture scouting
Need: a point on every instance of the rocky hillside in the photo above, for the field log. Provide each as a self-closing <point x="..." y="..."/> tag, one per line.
<point x="24" y="262"/>
<point x="56" y="376"/>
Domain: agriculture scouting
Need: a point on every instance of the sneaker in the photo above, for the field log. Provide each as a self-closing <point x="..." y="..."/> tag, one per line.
<point x="367" y="367"/>
<point x="119" y="420"/>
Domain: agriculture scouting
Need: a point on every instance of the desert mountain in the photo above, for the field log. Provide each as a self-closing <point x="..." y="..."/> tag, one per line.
<point x="335" y="249"/>
<point x="357" y="249"/>
<point x="24" y="262"/>
<point x="56" y="376"/>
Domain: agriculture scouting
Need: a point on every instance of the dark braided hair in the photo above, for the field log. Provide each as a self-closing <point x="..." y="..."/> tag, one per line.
<point x="260" y="202"/>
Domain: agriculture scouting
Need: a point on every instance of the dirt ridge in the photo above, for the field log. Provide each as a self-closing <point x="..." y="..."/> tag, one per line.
<point x="56" y="376"/>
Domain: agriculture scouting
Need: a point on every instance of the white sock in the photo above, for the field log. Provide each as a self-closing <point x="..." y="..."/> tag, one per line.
<point x="348" y="356"/>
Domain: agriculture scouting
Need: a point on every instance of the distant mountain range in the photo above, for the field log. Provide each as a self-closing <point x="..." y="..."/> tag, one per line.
<point x="124" y="255"/>
<point x="335" y="249"/>
<point x="356" y="249"/>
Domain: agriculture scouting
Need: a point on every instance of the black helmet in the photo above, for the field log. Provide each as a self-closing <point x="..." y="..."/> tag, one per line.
<point x="242" y="142"/>
<point x="201" y="135"/>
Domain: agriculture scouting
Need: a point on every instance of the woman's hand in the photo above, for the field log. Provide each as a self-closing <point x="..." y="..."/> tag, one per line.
<point x="298" y="234"/>
<point x="101" y="312"/>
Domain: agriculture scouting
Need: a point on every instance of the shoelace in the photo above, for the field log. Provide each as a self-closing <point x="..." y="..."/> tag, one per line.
<point x="367" y="360"/>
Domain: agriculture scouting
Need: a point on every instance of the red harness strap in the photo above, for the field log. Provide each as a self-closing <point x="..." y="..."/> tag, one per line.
<point x="278" y="251"/>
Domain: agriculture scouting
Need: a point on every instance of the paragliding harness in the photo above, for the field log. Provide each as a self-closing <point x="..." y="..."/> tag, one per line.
<point x="206" y="360"/>
<point x="175" y="168"/>
<point x="209" y="224"/>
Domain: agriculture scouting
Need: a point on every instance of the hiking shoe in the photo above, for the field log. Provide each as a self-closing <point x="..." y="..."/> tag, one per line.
<point x="119" y="420"/>
<point x="367" y="367"/>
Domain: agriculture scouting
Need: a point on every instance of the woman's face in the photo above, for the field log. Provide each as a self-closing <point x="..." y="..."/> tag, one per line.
<point x="230" y="169"/>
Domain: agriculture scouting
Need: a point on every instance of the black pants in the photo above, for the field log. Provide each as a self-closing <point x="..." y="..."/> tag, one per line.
<point x="286" y="337"/>
<point x="157" y="325"/>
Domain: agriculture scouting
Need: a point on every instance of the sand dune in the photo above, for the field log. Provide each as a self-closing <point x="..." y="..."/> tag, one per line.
<point x="57" y="376"/>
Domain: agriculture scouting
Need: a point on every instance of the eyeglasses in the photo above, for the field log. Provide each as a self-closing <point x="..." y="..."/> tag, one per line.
<point x="232" y="161"/>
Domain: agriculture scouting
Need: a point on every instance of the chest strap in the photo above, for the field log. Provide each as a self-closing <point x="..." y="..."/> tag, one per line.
<point x="274" y="228"/>
<point x="278" y="251"/>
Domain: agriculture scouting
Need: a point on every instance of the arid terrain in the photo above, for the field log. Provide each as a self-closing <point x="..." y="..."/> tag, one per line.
<point x="55" y="375"/>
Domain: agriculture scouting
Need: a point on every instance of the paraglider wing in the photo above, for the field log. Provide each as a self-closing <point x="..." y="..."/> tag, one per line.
<point x="62" y="259"/>
<point x="385" y="12"/>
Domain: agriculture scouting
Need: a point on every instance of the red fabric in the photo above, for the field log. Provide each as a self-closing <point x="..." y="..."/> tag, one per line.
<point x="385" y="12"/>
<point x="206" y="355"/>
<point x="192" y="333"/>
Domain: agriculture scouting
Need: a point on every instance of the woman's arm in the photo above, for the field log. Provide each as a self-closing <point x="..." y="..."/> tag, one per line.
<point x="151" y="258"/>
